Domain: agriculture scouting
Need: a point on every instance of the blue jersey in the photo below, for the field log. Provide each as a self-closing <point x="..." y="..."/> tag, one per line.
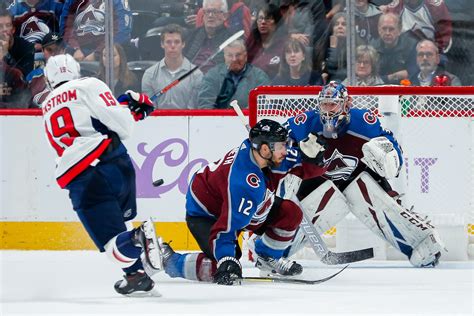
<point x="237" y="193"/>
<point x="342" y="158"/>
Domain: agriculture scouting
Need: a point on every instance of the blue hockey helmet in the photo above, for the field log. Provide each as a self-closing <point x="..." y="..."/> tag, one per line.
<point x="333" y="105"/>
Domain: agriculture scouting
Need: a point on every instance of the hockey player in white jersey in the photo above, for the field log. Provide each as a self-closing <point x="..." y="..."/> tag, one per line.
<point x="85" y="125"/>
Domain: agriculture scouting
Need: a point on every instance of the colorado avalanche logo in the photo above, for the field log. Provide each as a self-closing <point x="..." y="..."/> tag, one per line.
<point x="300" y="119"/>
<point x="33" y="30"/>
<point x="90" y="21"/>
<point x="370" y="118"/>
<point x="340" y="166"/>
<point x="253" y="180"/>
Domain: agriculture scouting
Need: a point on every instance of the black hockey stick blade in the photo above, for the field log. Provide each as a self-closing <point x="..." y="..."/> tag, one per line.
<point x="290" y="280"/>
<point x="348" y="257"/>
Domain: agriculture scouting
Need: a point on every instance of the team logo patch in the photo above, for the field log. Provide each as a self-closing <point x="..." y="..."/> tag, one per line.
<point x="253" y="180"/>
<point x="436" y="3"/>
<point x="300" y="118"/>
<point x="370" y="118"/>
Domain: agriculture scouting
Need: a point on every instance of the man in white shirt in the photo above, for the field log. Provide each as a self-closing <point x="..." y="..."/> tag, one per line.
<point x="173" y="65"/>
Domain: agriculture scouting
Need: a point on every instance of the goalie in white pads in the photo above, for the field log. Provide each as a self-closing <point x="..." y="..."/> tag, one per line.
<point x="85" y="126"/>
<point x="344" y="142"/>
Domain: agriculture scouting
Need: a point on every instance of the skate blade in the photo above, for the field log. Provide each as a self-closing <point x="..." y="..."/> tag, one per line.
<point x="153" y="293"/>
<point x="153" y="251"/>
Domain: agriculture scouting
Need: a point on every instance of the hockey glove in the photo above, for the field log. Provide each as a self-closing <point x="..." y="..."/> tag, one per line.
<point x="228" y="271"/>
<point x="313" y="148"/>
<point x="139" y="104"/>
<point x="288" y="186"/>
<point x="381" y="157"/>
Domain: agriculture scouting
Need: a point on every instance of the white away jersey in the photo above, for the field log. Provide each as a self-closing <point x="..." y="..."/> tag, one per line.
<point x="78" y="115"/>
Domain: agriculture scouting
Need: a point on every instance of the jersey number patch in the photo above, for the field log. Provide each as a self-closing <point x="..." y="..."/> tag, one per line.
<point x="62" y="129"/>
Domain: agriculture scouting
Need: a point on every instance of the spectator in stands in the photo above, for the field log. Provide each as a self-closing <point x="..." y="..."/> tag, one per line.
<point x="239" y="17"/>
<point x="13" y="89"/>
<point x="295" y="67"/>
<point x="204" y="41"/>
<point x="336" y="56"/>
<point x="232" y="80"/>
<point x="298" y="19"/>
<point x="427" y="19"/>
<point x="52" y="45"/>
<point x="83" y="26"/>
<point x="431" y="73"/>
<point x="173" y="65"/>
<point x="20" y="52"/>
<point x="397" y="51"/>
<point x="367" y="67"/>
<point x="265" y="43"/>
<point x="366" y="20"/>
<point x="33" y="19"/>
<point x="124" y="79"/>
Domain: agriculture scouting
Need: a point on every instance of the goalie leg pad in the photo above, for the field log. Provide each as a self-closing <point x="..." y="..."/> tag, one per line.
<point x="326" y="206"/>
<point x="402" y="228"/>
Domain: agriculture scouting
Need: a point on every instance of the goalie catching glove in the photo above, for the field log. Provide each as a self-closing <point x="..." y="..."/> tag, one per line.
<point x="381" y="157"/>
<point x="228" y="271"/>
<point x="313" y="149"/>
<point x="139" y="104"/>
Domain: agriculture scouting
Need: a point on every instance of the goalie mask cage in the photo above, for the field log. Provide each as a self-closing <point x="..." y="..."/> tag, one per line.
<point x="434" y="126"/>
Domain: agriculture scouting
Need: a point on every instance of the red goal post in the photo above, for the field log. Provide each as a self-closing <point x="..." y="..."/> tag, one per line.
<point x="435" y="127"/>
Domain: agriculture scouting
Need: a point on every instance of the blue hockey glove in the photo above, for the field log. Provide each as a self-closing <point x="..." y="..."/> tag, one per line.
<point x="228" y="271"/>
<point x="139" y="104"/>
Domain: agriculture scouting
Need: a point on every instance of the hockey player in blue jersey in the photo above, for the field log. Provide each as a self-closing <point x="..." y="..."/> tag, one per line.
<point x="357" y="156"/>
<point x="85" y="125"/>
<point x="248" y="189"/>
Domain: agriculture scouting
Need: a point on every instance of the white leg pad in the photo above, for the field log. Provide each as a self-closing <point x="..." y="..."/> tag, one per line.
<point x="326" y="206"/>
<point x="403" y="229"/>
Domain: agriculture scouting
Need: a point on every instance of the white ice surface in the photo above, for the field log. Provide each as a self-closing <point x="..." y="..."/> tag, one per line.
<point x="81" y="283"/>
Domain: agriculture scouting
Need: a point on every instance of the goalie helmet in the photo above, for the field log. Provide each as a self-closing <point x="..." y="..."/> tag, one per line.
<point x="267" y="132"/>
<point x="333" y="106"/>
<point x="61" y="68"/>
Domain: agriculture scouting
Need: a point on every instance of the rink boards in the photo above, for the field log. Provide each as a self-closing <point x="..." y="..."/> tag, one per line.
<point x="37" y="214"/>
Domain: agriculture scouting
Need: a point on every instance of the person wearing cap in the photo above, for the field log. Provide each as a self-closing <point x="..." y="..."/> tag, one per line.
<point x="52" y="45"/>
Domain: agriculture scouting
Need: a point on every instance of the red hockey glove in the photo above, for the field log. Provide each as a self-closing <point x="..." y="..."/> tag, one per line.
<point x="139" y="104"/>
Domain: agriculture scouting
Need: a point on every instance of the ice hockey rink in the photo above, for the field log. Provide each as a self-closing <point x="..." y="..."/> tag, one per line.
<point x="81" y="283"/>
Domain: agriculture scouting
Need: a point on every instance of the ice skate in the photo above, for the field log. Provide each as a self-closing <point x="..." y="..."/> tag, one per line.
<point x="136" y="284"/>
<point x="145" y="236"/>
<point x="282" y="267"/>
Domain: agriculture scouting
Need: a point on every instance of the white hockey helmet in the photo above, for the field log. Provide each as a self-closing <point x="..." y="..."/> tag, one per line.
<point x="61" y="68"/>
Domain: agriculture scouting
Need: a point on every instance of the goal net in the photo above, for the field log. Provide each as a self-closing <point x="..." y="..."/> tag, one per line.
<point x="434" y="126"/>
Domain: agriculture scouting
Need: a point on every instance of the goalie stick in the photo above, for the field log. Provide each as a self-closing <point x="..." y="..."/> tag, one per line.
<point x="311" y="233"/>
<point x="290" y="280"/>
<point x="183" y="76"/>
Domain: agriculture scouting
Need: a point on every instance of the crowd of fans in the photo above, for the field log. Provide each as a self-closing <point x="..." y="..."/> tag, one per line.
<point x="286" y="42"/>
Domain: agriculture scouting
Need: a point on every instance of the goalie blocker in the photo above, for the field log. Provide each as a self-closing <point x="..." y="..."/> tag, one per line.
<point x="405" y="230"/>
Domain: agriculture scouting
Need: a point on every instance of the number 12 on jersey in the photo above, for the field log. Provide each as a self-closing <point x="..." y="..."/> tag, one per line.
<point x="245" y="206"/>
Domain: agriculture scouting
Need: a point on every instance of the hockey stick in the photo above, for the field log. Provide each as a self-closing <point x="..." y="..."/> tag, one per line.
<point x="183" y="76"/>
<point x="311" y="233"/>
<point x="289" y="280"/>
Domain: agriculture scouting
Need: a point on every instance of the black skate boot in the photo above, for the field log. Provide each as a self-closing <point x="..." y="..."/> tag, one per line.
<point x="136" y="284"/>
<point x="282" y="266"/>
<point x="144" y="236"/>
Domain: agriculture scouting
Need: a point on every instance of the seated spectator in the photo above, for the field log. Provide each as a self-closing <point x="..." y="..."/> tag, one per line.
<point x="52" y="45"/>
<point x="83" y="25"/>
<point x="204" y="41"/>
<point x="366" y="20"/>
<point x="431" y="73"/>
<point x="367" y="67"/>
<point x="33" y="19"/>
<point x="124" y="79"/>
<point x="336" y="55"/>
<point x="13" y="90"/>
<point x="239" y="17"/>
<point x="397" y="51"/>
<point x="295" y="67"/>
<point x="20" y="52"/>
<point x="427" y="19"/>
<point x="232" y="80"/>
<point x="265" y="43"/>
<point x="172" y="66"/>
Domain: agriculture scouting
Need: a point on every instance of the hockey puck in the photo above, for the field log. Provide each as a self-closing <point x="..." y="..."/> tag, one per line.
<point x="158" y="182"/>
